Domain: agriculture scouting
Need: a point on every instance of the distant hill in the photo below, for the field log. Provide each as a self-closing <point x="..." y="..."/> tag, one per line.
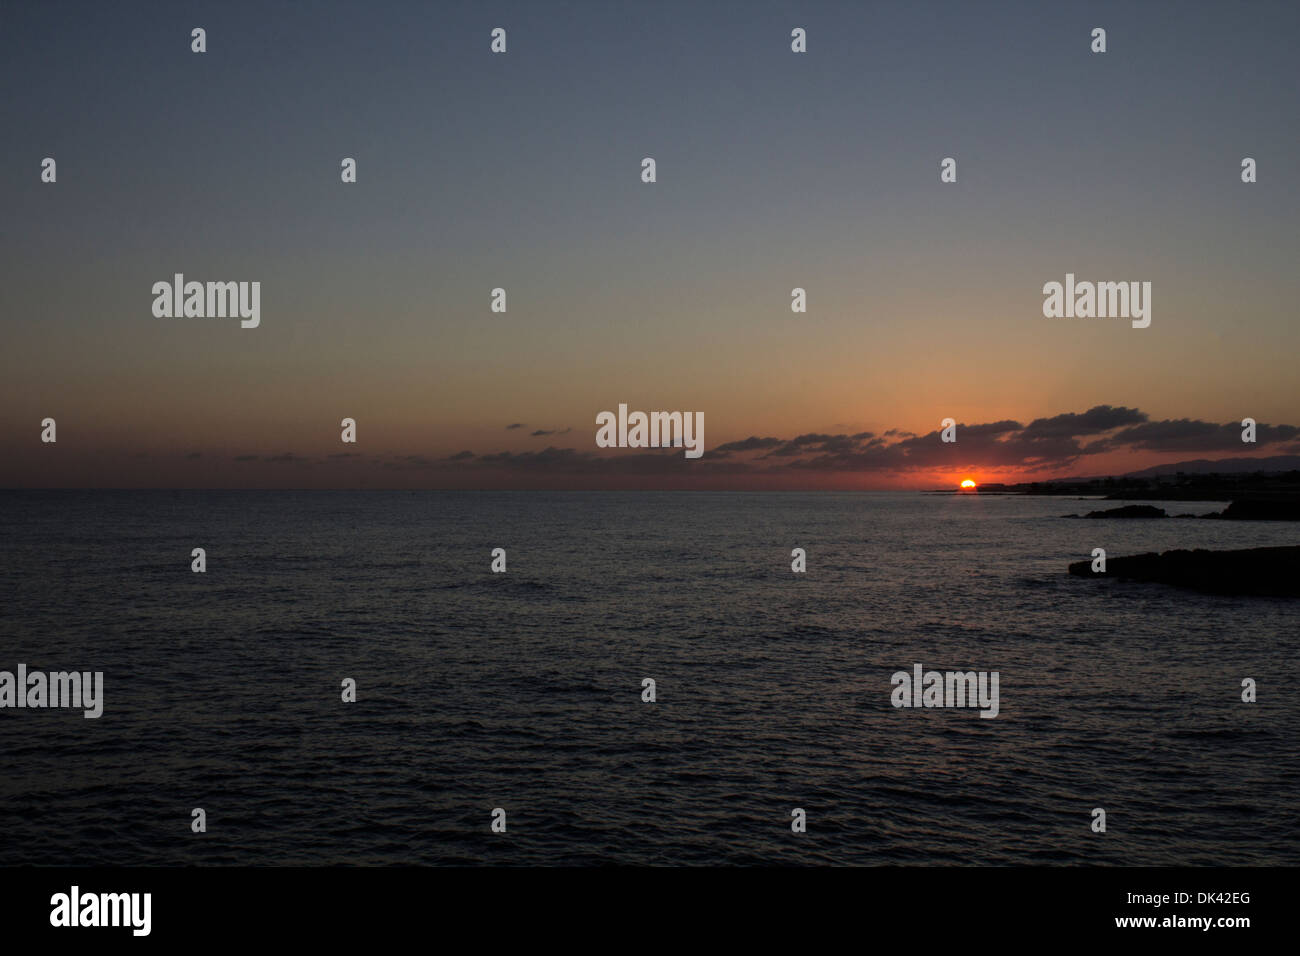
<point x="1224" y="466"/>
<point x="1267" y="480"/>
<point x="1276" y="478"/>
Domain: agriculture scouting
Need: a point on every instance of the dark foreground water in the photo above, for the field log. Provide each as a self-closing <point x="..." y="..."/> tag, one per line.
<point x="523" y="690"/>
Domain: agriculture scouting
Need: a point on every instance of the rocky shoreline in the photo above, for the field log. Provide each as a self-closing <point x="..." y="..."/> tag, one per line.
<point x="1247" y="510"/>
<point x="1252" y="571"/>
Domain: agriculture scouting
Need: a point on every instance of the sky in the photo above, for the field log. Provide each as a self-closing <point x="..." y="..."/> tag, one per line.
<point x="522" y="171"/>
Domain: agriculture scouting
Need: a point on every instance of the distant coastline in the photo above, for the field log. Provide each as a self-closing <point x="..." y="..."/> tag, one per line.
<point x="1275" y="486"/>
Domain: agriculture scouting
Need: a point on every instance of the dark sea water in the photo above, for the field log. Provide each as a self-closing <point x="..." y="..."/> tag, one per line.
<point x="523" y="690"/>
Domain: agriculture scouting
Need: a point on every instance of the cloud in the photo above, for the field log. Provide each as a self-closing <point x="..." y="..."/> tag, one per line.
<point x="1185" y="434"/>
<point x="287" y="457"/>
<point x="750" y="444"/>
<point x="405" y="462"/>
<point x="515" y="425"/>
<point x="1099" y="418"/>
<point x="1045" y="446"/>
<point x="660" y="461"/>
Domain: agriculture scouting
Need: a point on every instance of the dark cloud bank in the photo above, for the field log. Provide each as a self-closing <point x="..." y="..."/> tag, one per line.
<point x="1046" y="447"/>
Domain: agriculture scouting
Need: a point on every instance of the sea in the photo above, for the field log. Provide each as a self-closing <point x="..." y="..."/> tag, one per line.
<point x="520" y="696"/>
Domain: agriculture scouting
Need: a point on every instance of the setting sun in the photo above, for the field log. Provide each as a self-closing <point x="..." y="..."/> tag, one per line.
<point x="968" y="484"/>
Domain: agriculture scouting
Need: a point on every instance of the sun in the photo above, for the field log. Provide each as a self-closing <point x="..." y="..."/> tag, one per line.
<point x="968" y="485"/>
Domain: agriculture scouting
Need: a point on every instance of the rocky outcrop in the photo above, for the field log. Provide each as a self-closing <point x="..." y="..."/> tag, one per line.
<point x="1254" y="571"/>
<point x="1128" y="511"/>
<point x="1252" y="509"/>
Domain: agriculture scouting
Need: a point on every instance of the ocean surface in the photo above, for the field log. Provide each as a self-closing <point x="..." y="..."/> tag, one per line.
<point x="522" y="690"/>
